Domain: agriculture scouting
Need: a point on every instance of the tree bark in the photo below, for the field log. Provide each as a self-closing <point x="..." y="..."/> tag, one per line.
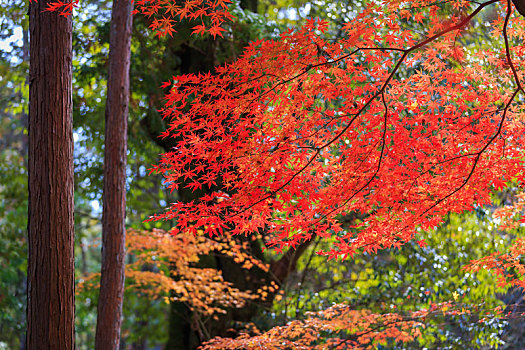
<point x="109" y="317"/>
<point x="50" y="275"/>
<point x="520" y="6"/>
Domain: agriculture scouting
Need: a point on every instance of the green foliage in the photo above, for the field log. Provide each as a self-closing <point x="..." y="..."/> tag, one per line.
<point x="13" y="175"/>
<point x="13" y="246"/>
<point x="409" y="279"/>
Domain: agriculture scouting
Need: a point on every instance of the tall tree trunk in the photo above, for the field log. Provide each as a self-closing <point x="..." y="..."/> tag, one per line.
<point x="111" y="295"/>
<point x="50" y="277"/>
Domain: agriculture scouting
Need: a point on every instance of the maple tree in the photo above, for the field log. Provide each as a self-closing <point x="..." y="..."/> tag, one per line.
<point x="300" y="131"/>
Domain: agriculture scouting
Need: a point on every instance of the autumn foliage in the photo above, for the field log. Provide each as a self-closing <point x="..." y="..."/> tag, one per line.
<point x="512" y="216"/>
<point x="209" y="15"/>
<point x="165" y="14"/>
<point x="339" y="327"/>
<point x="507" y="266"/>
<point x="398" y="126"/>
<point x="166" y="266"/>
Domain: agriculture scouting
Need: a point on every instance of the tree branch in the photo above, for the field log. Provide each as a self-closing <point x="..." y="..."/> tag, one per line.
<point x="280" y="269"/>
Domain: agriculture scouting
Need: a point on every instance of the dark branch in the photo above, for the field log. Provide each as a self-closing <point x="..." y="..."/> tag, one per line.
<point x="281" y="268"/>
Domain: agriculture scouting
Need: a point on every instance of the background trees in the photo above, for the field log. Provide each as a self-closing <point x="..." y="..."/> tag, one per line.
<point x="109" y="313"/>
<point x="14" y="92"/>
<point x="148" y="320"/>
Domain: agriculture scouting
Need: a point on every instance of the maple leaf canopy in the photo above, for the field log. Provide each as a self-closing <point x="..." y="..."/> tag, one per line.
<point x="399" y="126"/>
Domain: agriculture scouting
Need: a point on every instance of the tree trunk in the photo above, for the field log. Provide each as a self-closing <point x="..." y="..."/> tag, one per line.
<point x="520" y="6"/>
<point x="50" y="277"/>
<point x="109" y="317"/>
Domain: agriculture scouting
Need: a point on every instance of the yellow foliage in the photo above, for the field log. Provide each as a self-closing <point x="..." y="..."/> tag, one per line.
<point x="164" y="267"/>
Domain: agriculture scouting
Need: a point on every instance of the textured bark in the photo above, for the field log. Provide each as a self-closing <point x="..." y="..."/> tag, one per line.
<point x="520" y="6"/>
<point x="50" y="275"/>
<point x="109" y="317"/>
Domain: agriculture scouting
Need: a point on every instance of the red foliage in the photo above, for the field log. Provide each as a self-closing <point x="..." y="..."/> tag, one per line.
<point x="166" y="12"/>
<point x="209" y="15"/>
<point x="398" y="126"/>
<point x="507" y="266"/>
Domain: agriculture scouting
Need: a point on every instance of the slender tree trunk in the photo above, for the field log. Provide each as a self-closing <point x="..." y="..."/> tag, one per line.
<point x="109" y="317"/>
<point x="50" y="275"/>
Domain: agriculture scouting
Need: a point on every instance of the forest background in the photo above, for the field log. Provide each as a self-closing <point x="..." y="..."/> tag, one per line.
<point x="161" y="314"/>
